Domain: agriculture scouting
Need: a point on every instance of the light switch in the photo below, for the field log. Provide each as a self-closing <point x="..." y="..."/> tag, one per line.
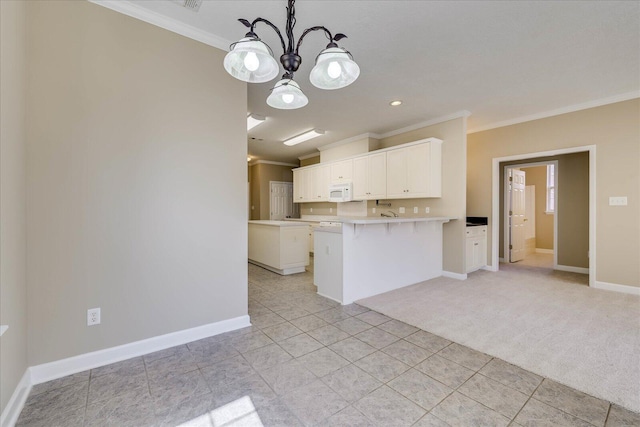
<point x="415" y="209"/>
<point x="618" y="201"/>
<point x="310" y="210"/>
<point x="373" y="210"/>
<point x="426" y="210"/>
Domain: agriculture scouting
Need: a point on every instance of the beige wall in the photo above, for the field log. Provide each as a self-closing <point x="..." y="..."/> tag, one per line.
<point x="135" y="176"/>
<point x="572" y="209"/>
<point x="13" y="283"/>
<point x="453" y="200"/>
<point x="310" y="161"/>
<point x="261" y="175"/>
<point x="615" y="131"/>
<point x="544" y="222"/>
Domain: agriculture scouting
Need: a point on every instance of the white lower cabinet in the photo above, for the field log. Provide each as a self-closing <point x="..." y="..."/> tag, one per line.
<point x="476" y="248"/>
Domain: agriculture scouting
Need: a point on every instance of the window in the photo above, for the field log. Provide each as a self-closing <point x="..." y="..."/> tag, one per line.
<point x="551" y="189"/>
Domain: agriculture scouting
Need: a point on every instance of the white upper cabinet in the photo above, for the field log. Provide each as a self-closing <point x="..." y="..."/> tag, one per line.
<point x="370" y="177"/>
<point x="415" y="171"/>
<point x="299" y="185"/>
<point x="342" y="171"/>
<point x="321" y="183"/>
<point x="412" y="170"/>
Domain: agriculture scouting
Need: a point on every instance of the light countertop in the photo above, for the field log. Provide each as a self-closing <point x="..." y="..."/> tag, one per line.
<point x="386" y="220"/>
<point x="280" y="223"/>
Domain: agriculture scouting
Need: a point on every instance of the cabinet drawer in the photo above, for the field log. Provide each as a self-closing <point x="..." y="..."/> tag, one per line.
<point x="477" y="231"/>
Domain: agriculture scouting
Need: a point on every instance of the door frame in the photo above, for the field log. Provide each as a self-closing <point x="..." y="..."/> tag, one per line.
<point x="495" y="202"/>
<point x="506" y="207"/>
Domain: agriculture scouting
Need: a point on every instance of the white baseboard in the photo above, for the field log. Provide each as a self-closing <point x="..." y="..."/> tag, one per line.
<point x="544" y="251"/>
<point x="61" y="368"/>
<point x="454" y="275"/>
<point x="333" y="299"/>
<point x="12" y="411"/>
<point x="490" y="268"/>
<point x="571" y="269"/>
<point x="626" y="289"/>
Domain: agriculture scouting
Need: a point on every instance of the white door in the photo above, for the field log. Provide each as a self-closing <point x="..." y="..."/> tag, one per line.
<point x="281" y="200"/>
<point x="516" y="215"/>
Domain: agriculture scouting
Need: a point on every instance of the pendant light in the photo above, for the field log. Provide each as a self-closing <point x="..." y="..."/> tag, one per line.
<point x="252" y="61"/>
<point x="334" y="69"/>
<point x="287" y="95"/>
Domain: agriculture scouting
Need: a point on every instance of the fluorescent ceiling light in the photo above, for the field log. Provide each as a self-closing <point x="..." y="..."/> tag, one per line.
<point x="304" y="137"/>
<point x="254" y="120"/>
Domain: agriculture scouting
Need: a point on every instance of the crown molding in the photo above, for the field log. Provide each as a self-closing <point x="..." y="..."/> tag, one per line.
<point x="564" y="110"/>
<point x="269" y="162"/>
<point x="457" y="115"/>
<point x="130" y="9"/>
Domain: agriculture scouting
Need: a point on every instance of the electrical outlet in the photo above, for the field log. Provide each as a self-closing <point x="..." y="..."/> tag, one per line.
<point x="618" y="201"/>
<point x="93" y="316"/>
<point x="401" y="210"/>
<point x="426" y="210"/>
<point x="330" y="210"/>
<point x="311" y="210"/>
<point x="373" y="210"/>
<point x="415" y="209"/>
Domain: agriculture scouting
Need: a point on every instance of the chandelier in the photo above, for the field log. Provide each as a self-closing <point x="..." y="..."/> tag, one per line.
<point x="251" y="60"/>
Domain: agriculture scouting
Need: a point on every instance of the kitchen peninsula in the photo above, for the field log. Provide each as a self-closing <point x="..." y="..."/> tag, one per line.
<point x="369" y="256"/>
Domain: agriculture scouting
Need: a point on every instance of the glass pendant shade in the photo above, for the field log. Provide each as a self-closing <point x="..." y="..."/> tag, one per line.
<point x="287" y="95"/>
<point x="334" y="69"/>
<point x="251" y="60"/>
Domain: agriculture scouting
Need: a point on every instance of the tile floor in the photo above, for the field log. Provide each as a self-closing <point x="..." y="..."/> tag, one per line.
<point x="309" y="361"/>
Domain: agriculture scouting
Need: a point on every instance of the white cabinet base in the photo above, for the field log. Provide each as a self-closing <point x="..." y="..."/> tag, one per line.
<point x="279" y="246"/>
<point x="283" y="272"/>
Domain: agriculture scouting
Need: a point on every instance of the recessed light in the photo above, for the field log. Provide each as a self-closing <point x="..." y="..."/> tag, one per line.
<point x="395" y="103"/>
<point x="248" y="158"/>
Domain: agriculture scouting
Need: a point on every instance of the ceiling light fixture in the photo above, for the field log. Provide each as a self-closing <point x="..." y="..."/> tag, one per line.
<point x="304" y="137"/>
<point x="254" y="120"/>
<point x="251" y="60"/>
<point x="395" y="103"/>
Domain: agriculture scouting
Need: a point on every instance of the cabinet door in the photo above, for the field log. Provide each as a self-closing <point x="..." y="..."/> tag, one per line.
<point x="321" y="183"/>
<point x="342" y="171"/>
<point x="418" y="170"/>
<point x="360" y="178"/>
<point x="309" y="185"/>
<point x="298" y="185"/>
<point x="376" y="176"/>
<point x="397" y="173"/>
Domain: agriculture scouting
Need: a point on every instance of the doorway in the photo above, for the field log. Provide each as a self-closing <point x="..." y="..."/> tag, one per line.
<point x="587" y="206"/>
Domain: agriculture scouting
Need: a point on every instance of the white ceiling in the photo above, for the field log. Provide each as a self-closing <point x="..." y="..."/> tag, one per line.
<point x="500" y="60"/>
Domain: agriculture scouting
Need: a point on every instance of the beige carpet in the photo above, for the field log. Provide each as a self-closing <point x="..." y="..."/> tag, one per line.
<point x="540" y="320"/>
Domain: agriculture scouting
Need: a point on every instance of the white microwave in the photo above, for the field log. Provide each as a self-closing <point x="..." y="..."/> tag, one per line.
<point x="340" y="192"/>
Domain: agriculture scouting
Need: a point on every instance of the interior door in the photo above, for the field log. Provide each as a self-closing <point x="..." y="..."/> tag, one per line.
<point x="516" y="215"/>
<point x="280" y="200"/>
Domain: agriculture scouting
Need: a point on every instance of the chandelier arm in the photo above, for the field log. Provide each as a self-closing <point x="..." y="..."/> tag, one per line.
<point x="255" y="21"/>
<point x="309" y="30"/>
